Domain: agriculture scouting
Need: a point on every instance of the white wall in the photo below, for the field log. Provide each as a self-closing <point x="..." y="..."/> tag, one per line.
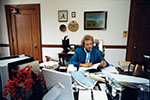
<point x="117" y="22"/>
<point x="115" y="55"/>
<point x="4" y="51"/>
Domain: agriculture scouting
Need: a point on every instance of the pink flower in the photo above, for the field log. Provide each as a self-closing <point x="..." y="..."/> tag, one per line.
<point x="37" y="78"/>
<point x="42" y="78"/>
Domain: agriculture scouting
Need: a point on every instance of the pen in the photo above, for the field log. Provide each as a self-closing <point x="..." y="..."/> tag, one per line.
<point x="92" y="95"/>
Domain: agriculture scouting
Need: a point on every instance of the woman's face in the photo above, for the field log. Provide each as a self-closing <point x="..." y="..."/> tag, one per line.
<point x="88" y="44"/>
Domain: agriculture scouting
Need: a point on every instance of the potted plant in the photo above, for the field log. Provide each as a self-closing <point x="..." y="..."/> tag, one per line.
<point x="20" y="84"/>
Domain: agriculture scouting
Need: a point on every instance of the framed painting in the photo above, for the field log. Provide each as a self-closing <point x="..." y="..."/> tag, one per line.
<point x="95" y="20"/>
<point x="62" y="15"/>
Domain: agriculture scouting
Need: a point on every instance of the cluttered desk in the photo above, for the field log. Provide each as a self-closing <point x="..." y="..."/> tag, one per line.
<point x="104" y="84"/>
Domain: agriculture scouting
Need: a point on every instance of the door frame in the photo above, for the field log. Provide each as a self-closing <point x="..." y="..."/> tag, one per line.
<point x="9" y="27"/>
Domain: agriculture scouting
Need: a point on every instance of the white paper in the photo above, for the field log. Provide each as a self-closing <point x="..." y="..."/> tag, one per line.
<point x="127" y="79"/>
<point x="86" y="95"/>
<point x="71" y="52"/>
<point x="50" y="64"/>
<point x="87" y="68"/>
<point x="100" y="95"/>
<point x="110" y="69"/>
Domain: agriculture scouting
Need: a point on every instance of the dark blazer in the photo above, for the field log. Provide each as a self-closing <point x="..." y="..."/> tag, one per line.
<point x="80" y="56"/>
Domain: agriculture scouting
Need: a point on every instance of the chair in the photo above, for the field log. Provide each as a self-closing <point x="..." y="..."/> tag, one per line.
<point x="138" y="70"/>
<point x="98" y="43"/>
<point x="132" y="69"/>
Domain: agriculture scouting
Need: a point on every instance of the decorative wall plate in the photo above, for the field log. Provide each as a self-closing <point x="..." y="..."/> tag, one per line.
<point x="62" y="28"/>
<point x="73" y="26"/>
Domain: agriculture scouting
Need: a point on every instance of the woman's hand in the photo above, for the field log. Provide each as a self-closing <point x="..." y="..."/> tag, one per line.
<point x="88" y="64"/>
<point x="103" y="64"/>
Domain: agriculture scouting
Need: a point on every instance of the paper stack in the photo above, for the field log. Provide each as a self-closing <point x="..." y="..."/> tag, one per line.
<point x="127" y="80"/>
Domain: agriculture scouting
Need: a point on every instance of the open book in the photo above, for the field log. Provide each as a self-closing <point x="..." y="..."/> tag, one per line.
<point x="88" y="68"/>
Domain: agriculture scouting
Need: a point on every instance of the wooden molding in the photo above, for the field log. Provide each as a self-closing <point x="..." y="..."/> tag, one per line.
<point x="105" y="46"/>
<point x="60" y="46"/>
<point x="4" y="45"/>
<point x="52" y="46"/>
<point x="115" y="46"/>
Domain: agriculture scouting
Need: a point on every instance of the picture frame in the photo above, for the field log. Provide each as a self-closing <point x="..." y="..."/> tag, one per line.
<point x="95" y="20"/>
<point x="73" y="14"/>
<point x="62" y="15"/>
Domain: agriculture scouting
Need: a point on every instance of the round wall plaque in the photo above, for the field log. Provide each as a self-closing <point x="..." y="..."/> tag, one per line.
<point x="62" y="28"/>
<point x="73" y="26"/>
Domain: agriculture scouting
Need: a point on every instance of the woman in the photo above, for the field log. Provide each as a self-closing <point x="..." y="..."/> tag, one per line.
<point x="87" y="55"/>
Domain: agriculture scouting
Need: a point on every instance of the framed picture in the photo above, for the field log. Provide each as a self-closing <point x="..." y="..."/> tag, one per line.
<point x="73" y="14"/>
<point x="96" y="20"/>
<point x="62" y="15"/>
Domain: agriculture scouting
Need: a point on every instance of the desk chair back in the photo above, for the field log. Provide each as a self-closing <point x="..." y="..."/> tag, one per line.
<point x="138" y="70"/>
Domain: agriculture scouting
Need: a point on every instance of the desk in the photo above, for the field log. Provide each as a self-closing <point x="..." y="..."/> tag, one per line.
<point x="64" y="57"/>
<point x="118" y="91"/>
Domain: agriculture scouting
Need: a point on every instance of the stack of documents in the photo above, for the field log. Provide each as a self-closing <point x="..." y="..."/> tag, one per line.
<point x="127" y="80"/>
<point x="50" y="64"/>
<point x="125" y="64"/>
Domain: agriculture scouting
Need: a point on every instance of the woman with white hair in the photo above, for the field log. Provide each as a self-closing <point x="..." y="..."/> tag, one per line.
<point x="87" y="55"/>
